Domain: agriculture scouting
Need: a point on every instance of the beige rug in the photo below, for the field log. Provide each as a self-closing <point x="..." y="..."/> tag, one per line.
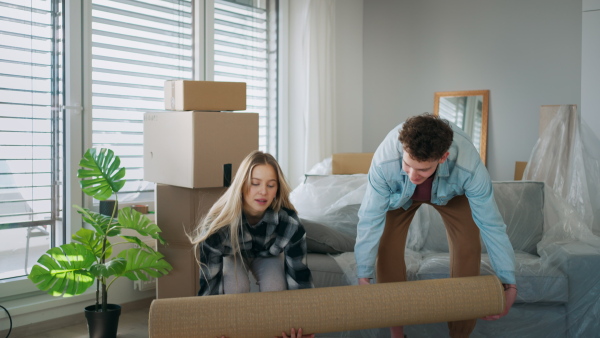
<point x="331" y="309"/>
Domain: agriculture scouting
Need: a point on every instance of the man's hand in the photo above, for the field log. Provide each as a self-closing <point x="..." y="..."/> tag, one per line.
<point x="510" y="293"/>
<point x="364" y="281"/>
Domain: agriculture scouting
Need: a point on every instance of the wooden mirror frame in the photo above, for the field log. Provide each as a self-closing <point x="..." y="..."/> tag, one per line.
<point x="484" y="113"/>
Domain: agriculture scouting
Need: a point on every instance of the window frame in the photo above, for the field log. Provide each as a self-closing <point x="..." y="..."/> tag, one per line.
<point x="14" y="288"/>
<point x="19" y="293"/>
<point x="206" y="71"/>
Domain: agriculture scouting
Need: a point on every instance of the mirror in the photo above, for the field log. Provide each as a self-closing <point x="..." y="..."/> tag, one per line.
<point x="468" y="109"/>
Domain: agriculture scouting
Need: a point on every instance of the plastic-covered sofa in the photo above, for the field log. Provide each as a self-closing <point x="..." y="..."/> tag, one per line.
<point x="558" y="276"/>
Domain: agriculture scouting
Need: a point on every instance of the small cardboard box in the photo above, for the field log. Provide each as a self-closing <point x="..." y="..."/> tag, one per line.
<point x="519" y="169"/>
<point x="178" y="211"/>
<point x="205" y="95"/>
<point x="351" y="163"/>
<point x="196" y="149"/>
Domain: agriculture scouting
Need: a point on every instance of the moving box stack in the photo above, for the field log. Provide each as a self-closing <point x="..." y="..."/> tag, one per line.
<point x="192" y="151"/>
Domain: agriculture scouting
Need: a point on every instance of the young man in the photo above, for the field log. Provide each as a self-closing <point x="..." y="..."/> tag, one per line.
<point x="427" y="160"/>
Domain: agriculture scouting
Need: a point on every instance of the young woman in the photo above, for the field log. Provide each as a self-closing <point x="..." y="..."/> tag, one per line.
<point x="253" y="226"/>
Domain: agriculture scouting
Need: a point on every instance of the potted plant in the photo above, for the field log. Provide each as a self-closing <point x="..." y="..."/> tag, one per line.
<point x="72" y="268"/>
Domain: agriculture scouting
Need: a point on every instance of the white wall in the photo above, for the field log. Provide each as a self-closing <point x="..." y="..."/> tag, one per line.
<point x="527" y="53"/>
<point x="348" y="115"/>
<point x="349" y="76"/>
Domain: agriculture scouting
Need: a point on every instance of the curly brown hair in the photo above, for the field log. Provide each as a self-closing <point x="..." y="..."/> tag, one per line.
<point x="426" y="137"/>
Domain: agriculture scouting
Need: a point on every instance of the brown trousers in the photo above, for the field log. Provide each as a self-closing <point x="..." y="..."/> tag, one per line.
<point x="463" y="241"/>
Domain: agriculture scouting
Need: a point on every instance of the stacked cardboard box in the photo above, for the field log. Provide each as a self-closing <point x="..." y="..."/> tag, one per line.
<point x="192" y="152"/>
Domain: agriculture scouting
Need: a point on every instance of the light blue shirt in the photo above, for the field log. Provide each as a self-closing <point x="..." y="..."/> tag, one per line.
<point x="462" y="173"/>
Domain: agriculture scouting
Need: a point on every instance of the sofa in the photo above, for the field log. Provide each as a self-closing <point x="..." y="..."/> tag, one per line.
<point x="558" y="277"/>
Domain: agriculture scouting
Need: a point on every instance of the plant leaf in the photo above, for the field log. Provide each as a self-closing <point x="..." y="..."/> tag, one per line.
<point x="133" y="219"/>
<point x="136" y="240"/>
<point x="142" y="263"/>
<point x="62" y="270"/>
<point x="101" y="176"/>
<point x="102" y="223"/>
<point x="92" y="240"/>
<point x="114" y="267"/>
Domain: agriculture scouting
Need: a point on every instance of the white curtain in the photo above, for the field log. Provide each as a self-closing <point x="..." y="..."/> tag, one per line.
<point x="312" y="83"/>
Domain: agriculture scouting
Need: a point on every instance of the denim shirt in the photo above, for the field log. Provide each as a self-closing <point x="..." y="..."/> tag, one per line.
<point x="462" y="173"/>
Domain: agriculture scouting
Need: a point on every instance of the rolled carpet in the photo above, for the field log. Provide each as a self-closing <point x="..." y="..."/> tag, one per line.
<point x="331" y="309"/>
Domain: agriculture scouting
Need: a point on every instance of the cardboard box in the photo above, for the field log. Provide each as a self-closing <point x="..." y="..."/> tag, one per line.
<point x="548" y="112"/>
<point x="205" y="95"/>
<point x="183" y="280"/>
<point x="178" y="210"/>
<point x="519" y="169"/>
<point x="351" y="163"/>
<point x="195" y="149"/>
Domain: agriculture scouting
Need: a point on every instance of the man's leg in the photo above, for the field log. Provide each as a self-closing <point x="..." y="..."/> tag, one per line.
<point x="465" y="250"/>
<point x="390" y="256"/>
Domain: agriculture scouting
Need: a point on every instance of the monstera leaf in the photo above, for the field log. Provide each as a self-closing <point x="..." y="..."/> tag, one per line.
<point x="141" y="263"/>
<point x="72" y="268"/>
<point x="63" y="270"/>
<point x="103" y="224"/>
<point x="113" y="268"/>
<point x="133" y="219"/>
<point x="101" y="175"/>
<point x="92" y="241"/>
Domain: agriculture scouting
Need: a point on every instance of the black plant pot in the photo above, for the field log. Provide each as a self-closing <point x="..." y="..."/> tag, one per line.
<point x="103" y="324"/>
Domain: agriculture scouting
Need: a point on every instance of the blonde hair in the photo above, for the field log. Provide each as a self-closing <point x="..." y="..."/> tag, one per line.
<point x="227" y="210"/>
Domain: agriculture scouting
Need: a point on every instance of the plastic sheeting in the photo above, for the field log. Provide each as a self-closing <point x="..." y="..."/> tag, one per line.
<point x="556" y="249"/>
<point x="337" y="209"/>
<point x="566" y="158"/>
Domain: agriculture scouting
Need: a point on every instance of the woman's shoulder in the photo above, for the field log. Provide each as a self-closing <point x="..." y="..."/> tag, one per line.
<point x="288" y="217"/>
<point x="289" y="224"/>
<point x="218" y="237"/>
<point x="288" y="213"/>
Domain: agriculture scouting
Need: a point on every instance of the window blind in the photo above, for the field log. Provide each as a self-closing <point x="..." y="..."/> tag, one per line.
<point x="465" y="112"/>
<point x="245" y="50"/>
<point x="136" y="46"/>
<point x="30" y="131"/>
<point x="453" y="109"/>
<point x="29" y="114"/>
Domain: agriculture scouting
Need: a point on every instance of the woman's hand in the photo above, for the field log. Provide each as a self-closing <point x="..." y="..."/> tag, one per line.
<point x="292" y="335"/>
<point x="510" y="292"/>
<point x="296" y="335"/>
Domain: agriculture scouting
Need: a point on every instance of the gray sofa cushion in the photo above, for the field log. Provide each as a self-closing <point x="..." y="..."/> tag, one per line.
<point x="324" y="239"/>
<point x="521" y="205"/>
<point x="325" y="270"/>
<point x="523" y="321"/>
<point x="536" y="283"/>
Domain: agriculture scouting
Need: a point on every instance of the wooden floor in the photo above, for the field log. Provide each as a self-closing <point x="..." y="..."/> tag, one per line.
<point x="132" y="324"/>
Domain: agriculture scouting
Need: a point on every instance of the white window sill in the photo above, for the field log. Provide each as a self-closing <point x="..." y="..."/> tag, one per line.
<point x="22" y="297"/>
